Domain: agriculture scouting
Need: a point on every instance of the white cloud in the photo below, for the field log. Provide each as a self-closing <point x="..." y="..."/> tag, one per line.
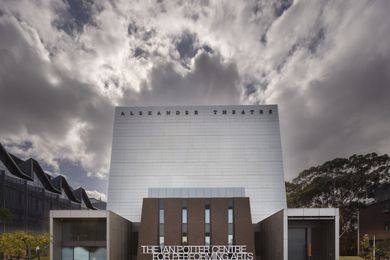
<point x="97" y="195"/>
<point x="324" y="62"/>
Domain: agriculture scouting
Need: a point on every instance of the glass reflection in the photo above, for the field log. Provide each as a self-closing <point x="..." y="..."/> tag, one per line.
<point x="98" y="254"/>
<point x="67" y="253"/>
<point x="81" y="253"/>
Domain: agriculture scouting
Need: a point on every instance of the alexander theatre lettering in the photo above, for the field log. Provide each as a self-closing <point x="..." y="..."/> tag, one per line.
<point x="193" y="112"/>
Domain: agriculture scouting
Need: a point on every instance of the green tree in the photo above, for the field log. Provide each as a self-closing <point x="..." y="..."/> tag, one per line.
<point x="10" y="245"/>
<point x="43" y="241"/>
<point x="344" y="183"/>
<point x="22" y="244"/>
<point x="366" y="250"/>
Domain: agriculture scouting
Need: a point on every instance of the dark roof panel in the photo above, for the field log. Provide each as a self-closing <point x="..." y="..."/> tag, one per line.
<point x="80" y="192"/>
<point x="11" y="165"/>
<point x="26" y="169"/>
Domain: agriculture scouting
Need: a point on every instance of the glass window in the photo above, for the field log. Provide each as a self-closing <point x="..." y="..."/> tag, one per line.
<point x="161" y="216"/>
<point x="67" y="253"/>
<point x="230" y="229"/>
<point x="207" y="240"/>
<point x="184" y="239"/>
<point x="81" y="253"/>
<point x="230" y="226"/>
<point x="207" y="228"/>
<point x="161" y="229"/>
<point x="184" y="215"/>
<point x="184" y="219"/>
<point x="161" y="223"/>
<point x="230" y="215"/>
<point x="84" y="230"/>
<point x="230" y="240"/>
<point x="207" y="216"/>
<point x="98" y="253"/>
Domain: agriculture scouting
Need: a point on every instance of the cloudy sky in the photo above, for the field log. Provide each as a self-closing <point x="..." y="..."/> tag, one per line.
<point x="64" y="65"/>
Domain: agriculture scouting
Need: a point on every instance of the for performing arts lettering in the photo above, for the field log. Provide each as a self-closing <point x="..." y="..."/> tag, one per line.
<point x="198" y="252"/>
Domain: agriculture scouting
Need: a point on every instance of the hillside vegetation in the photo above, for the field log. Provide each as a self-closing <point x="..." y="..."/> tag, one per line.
<point x="345" y="183"/>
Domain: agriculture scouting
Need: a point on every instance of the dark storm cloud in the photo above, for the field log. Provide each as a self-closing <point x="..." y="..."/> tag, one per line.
<point x="344" y="109"/>
<point x="207" y="48"/>
<point x="77" y="14"/>
<point x="140" y="53"/>
<point x="187" y="45"/>
<point x="31" y="105"/>
<point x="344" y="114"/>
<point x="280" y="6"/>
<point x="211" y="81"/>
<point x="132" y="28"/>
<point x="250" y="89"/>
<point x="316" y="40"/>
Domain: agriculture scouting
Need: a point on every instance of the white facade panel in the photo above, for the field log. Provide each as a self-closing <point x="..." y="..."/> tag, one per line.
<point x="205" y="147"/>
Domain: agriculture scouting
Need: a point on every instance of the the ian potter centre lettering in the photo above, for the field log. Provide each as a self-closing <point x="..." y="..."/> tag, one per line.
<point x="236" y="252"/>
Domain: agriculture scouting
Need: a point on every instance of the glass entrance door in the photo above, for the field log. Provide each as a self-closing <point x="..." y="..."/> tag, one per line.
<point x="297" y="244"/>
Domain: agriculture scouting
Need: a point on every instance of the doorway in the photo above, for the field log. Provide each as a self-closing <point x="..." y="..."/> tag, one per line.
<point x="297" y="243"/>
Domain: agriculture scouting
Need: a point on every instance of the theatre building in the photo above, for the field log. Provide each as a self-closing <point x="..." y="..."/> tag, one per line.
<point x="196" y="182"/>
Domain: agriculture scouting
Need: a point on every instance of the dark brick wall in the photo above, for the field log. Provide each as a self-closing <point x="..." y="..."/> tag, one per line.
<point x="196" y="230"/>
<point x="219" y="220"/>
<point x="172" y="227"/>
<point x="148" y="231"/>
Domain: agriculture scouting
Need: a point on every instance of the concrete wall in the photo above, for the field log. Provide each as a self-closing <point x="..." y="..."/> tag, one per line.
<point x="118" y="235"/>
<point x="56" y="237"/>
<point x="243" y="229"/>
<point x="56" y="226"/>
<point x="118" y="232"/>
<point x="270" y="241"/>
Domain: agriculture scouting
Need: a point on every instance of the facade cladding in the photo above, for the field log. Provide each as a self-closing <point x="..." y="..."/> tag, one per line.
<point x="191" y="147"/>
<point x="197" y="183"/>
<point x="29" y="194"/>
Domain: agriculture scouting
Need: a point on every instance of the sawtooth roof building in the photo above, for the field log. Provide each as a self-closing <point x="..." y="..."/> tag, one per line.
<point x="29" y="193"/>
